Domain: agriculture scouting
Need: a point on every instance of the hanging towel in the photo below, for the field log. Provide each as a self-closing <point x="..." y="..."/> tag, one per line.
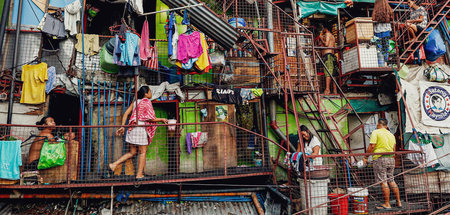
<point x="130" y="52"/>
<point x="203" y="62"/>
<point x="144" y="49"/>
<point x="72" y="14"/>
<point x="189" y="143"/>
<point x="10" y="159"/>
<point x="91" y="44"/>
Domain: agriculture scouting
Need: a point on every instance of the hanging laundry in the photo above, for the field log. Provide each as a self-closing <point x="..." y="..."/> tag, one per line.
<point x="54" y="27"/>
<point x="152" y="62"/>
<point x="189" y="143"/>
<point x="144" y="49"/>
<point x="91" y="44"/>
<point x="50" y="83"/>
<point x="189" y="46"/>
<point x="171" y="28"/>
<point x="33" y="89"/>
<point x="173" y="58"/>
<point x="199" y="139"/>
<point x="49" y="43"/>
<point x="203" y="63"/>
<point x="72" y="14"/>
<point x="227" y="95"/>
<point x="137" y="5"/>
<point x="247" y="95"/>
<point x="130" y="50"/>
<point x="10" y="159"/>
<point x="430" y="155"/>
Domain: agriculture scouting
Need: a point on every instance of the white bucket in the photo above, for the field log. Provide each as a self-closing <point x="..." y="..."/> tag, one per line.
<point x="317" y="194"/>
<point x="172" y="127"/>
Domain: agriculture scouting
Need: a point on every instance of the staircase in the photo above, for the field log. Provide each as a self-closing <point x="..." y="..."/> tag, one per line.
<point x="406" y="46"/>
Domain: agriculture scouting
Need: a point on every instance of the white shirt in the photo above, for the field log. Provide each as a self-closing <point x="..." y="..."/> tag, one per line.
<point x="309" y="150"/>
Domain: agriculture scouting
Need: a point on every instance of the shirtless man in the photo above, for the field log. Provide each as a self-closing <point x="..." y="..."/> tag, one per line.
<point x="36" y="146"/>
<point x="327" y="40"/>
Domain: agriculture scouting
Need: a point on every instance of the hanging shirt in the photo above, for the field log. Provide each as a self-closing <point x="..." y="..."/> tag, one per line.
<point x="50" y="83"/>
<point x="33" y="89"/>
<point x="227" y="95"/>
<point x="203" y="61"/>
<point x="10" y="159"/>
<point x="72" y="14"/>
<point x="189" y="46"/>
<point x="130" y="50"/>
<point x="144" y="48"/>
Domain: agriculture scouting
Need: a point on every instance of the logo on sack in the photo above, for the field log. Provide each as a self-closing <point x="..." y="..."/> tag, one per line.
<point x="436" y="102"/>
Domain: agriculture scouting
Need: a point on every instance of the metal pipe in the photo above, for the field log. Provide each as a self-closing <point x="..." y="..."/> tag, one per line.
<point x="270" y="25"/>
<point x="107" y="121"/>
<point x="91" y="112"/>
<point x="273" y="124"/>
<point x="98" y="123"/>
<point x="5" y="14"/>
<point x="104" y="128"/>
<point x="80" y="90"/>
<point x="114" y="123"/>
<point x="15" y="58"/>
<point x="257" y="204"/>
<point x="124" y="107"/>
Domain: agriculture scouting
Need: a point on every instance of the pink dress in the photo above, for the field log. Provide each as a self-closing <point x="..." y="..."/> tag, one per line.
<point x="142" y="135"/>
<point x="189" y="46"/>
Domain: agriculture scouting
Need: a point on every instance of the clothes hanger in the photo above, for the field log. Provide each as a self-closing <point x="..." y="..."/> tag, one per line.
<point x="10" y="135"/>
<point x="36" y="60"/>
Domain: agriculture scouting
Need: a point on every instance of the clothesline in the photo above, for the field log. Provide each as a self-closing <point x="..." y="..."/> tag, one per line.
<point x="173" y="9"/>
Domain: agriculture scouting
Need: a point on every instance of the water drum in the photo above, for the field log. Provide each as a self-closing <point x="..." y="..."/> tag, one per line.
<point x="359" y="200"/>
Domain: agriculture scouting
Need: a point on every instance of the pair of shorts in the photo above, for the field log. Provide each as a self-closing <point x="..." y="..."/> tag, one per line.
<point x="419" y="30"/>
<point x="331" y="64"/>
<point x="383" y="168"/>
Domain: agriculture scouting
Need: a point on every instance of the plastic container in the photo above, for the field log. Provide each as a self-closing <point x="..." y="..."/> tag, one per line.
<point x="359" y="200"/>
<point x="317" y="195"/>
<point x="339" y="206"/>
<point x="172" y="127"/>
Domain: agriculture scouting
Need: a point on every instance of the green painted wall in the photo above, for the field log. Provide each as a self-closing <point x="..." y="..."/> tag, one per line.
<point x="157" y="160"/>
<point x="188" y="161"/>
<point x="332" y="105"/>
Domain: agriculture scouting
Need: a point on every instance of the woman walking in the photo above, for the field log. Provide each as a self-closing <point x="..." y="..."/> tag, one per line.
<point x="139" y="136"/>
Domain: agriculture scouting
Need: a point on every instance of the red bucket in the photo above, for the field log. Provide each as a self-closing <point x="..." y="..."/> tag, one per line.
<point x="338" y="206"/>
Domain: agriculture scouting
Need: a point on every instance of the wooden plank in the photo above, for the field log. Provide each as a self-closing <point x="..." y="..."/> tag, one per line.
<point x="213" y="151"/>
<point x="59" y="174"/>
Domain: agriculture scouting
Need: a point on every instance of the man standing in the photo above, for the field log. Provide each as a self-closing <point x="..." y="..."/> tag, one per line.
<point x="327" y="40"/>
<point x="382" y="140"/>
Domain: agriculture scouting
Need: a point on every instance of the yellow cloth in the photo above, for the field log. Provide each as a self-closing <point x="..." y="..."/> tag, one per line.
<point x="203" y="60"/>
<point x="384" y="141"/>
<point x="91" y="44"/>
<point x="33" y="89"/>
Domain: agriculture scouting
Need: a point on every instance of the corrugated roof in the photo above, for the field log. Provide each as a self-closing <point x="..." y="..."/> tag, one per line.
<point x="197" y="208"/>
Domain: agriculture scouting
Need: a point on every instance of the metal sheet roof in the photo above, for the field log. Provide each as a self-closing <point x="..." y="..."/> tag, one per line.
<point x="197" y="208"/>
<point x="208" y="22"/>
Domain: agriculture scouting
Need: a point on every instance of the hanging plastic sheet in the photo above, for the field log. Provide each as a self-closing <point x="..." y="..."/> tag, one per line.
<point x="309" y="8"/>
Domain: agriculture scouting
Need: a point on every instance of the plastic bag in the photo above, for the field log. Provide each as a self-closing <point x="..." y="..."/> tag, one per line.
<point x="52" y="154"/>
<point x="217" y="58"/>
<point x="435" y="74"/>
<point x="435" y="47"/>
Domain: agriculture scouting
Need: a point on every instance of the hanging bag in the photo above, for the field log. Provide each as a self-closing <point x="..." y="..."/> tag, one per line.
<point x="52" y="154"/>
<point x="152" y="62"/>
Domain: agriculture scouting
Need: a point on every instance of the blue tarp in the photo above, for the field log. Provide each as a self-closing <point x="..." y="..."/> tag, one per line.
<point x="31" y="14"/>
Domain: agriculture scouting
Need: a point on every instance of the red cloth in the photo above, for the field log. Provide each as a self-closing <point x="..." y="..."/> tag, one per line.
<point x="145" y="113"/>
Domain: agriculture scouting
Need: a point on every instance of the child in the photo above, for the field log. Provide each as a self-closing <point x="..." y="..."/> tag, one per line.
<point x="139" y="136"/>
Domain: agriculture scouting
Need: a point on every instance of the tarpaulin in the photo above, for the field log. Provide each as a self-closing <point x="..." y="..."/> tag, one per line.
<point x="436" y="109"/>
<point x="309" y="8"/>
<point x="367" y="105"/>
